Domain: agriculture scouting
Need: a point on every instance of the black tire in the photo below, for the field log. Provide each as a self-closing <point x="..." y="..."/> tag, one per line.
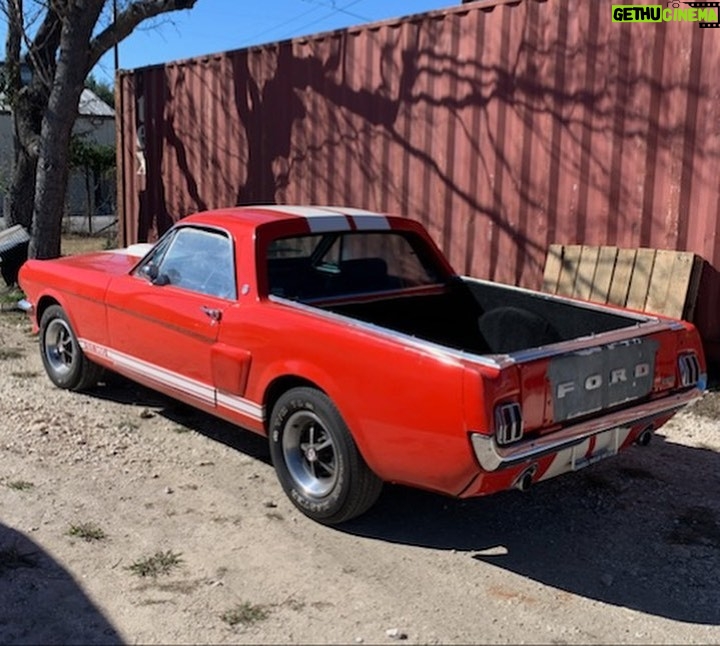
<point x="63" y="358"/>
<point x="316" y="459"/>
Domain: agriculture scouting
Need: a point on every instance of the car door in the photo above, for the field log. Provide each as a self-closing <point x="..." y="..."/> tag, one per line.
<point x="165" y="316"/>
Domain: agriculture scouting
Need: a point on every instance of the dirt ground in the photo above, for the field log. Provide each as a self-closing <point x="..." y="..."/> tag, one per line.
<point x="128" y="518"/>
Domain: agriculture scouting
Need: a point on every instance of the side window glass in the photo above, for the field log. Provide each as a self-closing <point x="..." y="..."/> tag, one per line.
<point x="196" y="259"/>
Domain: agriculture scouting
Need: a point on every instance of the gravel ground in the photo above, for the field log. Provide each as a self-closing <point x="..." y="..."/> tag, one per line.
<point x="128" y="518"/>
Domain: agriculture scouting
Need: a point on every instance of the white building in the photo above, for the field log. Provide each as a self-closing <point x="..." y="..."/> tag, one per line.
<point x="96" y="122"/>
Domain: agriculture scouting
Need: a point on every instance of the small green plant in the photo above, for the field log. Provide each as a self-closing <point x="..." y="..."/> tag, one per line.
<point x="245" y="613"/>
<point x="127" y="426"/>
<point x="155" y="565"/>
<point x="20" y="485"/>
<point x="179" y="428"/>
<point x="87" y="531"/>
<point x="111" y="242"/>
<point x="25" y="374"/>
<point x="10" y="353"/>
<point x="11" y="296"/>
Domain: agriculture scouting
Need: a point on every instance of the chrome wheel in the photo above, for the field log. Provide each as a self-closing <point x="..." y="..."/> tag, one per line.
<point x="316" y="458"/>
<point x="309" y="453"/>
<point x="64" y="361"/>
<point x="59" y="347"/>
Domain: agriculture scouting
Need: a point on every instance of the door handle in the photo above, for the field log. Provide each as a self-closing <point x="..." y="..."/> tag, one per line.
<point x="214" y="314"/>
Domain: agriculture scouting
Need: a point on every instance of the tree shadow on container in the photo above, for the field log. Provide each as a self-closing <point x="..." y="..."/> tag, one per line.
<point x="40" y="602"/>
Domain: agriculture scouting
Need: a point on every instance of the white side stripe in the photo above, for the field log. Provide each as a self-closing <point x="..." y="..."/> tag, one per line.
<point x="240" y="405"/>
<point x="193" y="388"/>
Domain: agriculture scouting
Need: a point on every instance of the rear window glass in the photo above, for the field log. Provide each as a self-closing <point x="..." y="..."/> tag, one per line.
<point x="338" y="264"/>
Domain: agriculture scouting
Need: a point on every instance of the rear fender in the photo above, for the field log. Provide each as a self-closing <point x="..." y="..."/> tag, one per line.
<point x="322" y="380"/>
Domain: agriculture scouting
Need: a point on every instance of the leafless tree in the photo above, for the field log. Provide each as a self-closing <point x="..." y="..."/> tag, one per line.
<point x="59" y="41"/>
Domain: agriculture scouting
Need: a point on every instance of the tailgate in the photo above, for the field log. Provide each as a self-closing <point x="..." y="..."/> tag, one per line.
<point x="593" y="379"/>
<point x="611" y="371"/>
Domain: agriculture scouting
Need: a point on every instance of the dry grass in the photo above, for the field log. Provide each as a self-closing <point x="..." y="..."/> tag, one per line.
<point x="87" y="531"/>
<point x="73" y="244"/>
<point x="245" y="613"/>
<point x="158" y="564"/>
<point x="20" y="485"/>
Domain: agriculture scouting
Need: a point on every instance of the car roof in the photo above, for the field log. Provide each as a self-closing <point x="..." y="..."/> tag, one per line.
<point x="316" y="218"/>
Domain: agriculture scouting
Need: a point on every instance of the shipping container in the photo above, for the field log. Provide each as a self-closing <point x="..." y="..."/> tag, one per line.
<point x="503" y="126"/>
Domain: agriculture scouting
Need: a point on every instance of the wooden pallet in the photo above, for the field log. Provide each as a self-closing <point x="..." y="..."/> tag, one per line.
<point x="650" y="280"/>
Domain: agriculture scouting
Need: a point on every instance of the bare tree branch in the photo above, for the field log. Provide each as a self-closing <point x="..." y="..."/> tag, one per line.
<point x="43" y="48"/>
<point x="13" y="82"/>
<point x="127" y="20"/>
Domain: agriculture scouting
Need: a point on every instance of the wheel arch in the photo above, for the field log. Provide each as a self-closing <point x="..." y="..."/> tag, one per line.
<point x="288" y="380"/>
<point x="278" y="387"/>
<point x="45" y="301"/>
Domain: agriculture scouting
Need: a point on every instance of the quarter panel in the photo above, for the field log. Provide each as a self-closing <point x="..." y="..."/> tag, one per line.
<point x="404" y="405"/>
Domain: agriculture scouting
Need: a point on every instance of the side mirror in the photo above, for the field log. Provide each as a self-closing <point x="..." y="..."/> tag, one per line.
<point x="152" y="273"/>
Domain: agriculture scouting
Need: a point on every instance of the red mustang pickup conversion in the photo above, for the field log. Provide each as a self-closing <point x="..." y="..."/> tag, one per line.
<point x="347" y="339"/>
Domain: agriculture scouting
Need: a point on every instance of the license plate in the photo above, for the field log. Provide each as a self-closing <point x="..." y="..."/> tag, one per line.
<point x="595" y="448"/>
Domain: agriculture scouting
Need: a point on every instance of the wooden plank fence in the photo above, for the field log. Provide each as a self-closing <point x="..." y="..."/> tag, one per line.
<point x="651" y="280"/>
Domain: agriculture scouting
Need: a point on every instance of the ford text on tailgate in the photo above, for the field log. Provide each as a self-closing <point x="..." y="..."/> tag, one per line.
<point x="346" y="338"/>
<point x="591" y="380"/>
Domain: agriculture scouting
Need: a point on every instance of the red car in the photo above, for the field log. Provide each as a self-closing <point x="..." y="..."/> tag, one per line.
<point x="347" y="339"/>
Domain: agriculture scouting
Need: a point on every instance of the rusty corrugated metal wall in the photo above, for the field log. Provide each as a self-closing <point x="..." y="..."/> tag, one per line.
<point x="504" y="127"/>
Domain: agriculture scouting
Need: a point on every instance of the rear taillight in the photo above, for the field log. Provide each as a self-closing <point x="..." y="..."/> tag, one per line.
<point x="689" y="369"/>
<point x="508" y="423"/>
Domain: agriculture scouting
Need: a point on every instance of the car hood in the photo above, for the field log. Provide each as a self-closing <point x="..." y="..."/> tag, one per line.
<point x="115" y="262"/>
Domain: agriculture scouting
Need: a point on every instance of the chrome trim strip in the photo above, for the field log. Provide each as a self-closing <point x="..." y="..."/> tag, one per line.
<point x="493" y="457"/>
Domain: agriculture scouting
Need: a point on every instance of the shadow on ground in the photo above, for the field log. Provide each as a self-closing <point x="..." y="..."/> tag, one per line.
<point x="641" y="531"/>
<point x="40" y="602"/>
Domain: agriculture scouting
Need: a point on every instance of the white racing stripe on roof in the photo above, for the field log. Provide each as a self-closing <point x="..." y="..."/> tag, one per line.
<point x="362" y="218"/>
<point x="319" y="219"/>
<point x="334" y="218"/>
<point x="302" y="211"/>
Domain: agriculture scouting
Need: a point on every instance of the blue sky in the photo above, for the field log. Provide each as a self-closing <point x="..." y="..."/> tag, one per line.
<point x="220" y="25"/>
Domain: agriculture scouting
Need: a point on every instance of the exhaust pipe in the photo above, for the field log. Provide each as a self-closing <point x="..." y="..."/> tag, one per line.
<point x="644" y="438"/>
<point x="524" y="481"/>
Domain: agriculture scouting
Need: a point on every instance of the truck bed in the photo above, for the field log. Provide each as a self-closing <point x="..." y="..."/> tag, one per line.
<point x="483" y="318"/>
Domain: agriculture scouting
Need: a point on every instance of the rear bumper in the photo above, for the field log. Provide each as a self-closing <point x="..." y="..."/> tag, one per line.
<point x="493" y="457"/>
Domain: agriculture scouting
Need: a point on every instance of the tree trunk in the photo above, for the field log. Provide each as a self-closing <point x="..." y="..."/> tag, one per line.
<point x="60" y="56"/>
<point x="22" y="189"/>
<point x="57" y="125"/>
<point x="27" y="122"/>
